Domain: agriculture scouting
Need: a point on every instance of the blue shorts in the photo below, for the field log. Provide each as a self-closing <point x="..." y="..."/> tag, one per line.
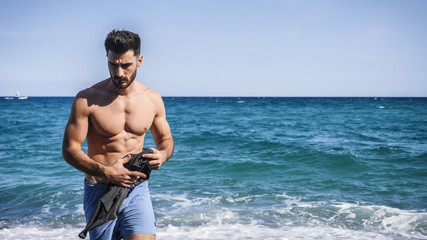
<point x="135" y="216"/>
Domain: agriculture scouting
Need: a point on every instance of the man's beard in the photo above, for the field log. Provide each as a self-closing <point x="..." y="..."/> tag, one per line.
<point x="123" y="83"/>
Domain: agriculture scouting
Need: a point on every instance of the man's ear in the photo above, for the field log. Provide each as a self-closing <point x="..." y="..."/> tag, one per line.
<point x="140" y="61"/>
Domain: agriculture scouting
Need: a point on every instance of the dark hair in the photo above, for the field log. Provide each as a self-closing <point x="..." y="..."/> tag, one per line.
<point x="120" y="41"/>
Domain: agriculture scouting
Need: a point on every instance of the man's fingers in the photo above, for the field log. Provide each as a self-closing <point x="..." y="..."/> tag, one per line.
<point x="154" y="165"/>
<point x="128" y="185"/>
<point x="131" y="179"/>
<point x="137" y="175"/>
<point x="126" y="158"/>
<point x="149" y="155"/>
<point x="123" y="160"/>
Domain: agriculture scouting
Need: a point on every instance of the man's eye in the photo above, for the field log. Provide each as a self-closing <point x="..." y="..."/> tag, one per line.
<point x="113" y="64"/>
<point x="125" y="66"/>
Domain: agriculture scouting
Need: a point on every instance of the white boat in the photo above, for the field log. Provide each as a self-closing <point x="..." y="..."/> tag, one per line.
<point x="20" y="97"/>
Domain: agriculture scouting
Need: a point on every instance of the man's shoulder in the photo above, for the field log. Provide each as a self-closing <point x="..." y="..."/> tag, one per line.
<point x="92" y="91"/>
<point x="156" y="99"/>
<point x="153" y="95"/>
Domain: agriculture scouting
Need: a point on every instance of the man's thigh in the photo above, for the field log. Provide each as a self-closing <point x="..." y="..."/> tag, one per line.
<point x="137" y="217"/>
<point x="139" y="236"/>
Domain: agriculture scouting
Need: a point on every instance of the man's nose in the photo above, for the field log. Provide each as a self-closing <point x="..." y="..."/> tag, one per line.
<point x="119" y="71"/>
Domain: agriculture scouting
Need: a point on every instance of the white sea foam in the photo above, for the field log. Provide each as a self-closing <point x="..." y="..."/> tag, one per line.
<point x="294" y="219"/>
<point x="31" y="232"/>
<point x="253" y="231"/>
<point x="182" y="201"/>
<point x="392" y="220"/>
<point x="342" y="219"/>
<point x="212" y="232"/>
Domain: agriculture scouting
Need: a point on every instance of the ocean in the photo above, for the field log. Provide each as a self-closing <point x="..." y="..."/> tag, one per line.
<point x="243" y="168"/>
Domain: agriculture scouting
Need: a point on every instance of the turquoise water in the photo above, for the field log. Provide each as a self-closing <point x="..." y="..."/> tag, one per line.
<point x="243" y="168"/>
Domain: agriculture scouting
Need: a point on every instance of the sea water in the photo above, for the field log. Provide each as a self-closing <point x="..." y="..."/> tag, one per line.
<point x="243" y="168"/>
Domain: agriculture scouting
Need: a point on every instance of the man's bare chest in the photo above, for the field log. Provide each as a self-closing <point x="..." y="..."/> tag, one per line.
<point x="119" y="118"/>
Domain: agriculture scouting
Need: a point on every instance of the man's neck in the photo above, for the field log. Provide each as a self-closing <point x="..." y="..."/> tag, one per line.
<point x="122" y="92"/>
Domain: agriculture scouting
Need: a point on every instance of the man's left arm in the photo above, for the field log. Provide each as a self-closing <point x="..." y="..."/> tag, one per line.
<point x="162" y="136"/>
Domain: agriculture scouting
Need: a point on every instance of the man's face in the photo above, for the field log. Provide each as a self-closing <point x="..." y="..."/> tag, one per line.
<point x="123" y="67"/>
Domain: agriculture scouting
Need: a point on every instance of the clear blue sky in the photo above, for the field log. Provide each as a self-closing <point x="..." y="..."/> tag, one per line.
<point x="221" y="47"/>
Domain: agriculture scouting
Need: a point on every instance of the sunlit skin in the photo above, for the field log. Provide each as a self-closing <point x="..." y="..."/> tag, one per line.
<point x="114" y="116"/>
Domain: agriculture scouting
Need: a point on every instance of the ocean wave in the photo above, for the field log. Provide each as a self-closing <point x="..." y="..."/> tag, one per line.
<point x="299" y="220"/>
<point x="283" y="213"/>
<point x="211" y="232"/>
<point x="255" y="231"/>
<point x="30" y="232"/>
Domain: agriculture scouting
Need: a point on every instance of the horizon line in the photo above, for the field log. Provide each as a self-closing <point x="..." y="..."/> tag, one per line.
<point x="253" y="96"/>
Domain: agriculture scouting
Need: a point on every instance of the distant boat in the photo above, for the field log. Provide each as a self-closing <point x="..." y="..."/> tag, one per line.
<point x="20" y="97"/>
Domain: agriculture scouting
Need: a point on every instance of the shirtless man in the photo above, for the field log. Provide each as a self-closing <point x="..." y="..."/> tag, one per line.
<point x="114" y="116"/>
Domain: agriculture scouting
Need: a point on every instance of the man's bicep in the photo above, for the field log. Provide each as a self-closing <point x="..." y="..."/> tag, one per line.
<point x="77" y="126"/>
<point x="160" y="128"/>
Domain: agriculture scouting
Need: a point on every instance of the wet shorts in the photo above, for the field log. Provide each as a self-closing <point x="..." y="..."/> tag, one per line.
<point x="136" y="213"/>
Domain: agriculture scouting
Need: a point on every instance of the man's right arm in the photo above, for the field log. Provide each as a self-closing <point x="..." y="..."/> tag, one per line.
<point x="74" y="136"/>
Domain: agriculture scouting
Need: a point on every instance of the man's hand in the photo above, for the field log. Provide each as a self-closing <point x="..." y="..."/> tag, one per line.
<point x="158" y="158"/>
<point x="119" y="175"/>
